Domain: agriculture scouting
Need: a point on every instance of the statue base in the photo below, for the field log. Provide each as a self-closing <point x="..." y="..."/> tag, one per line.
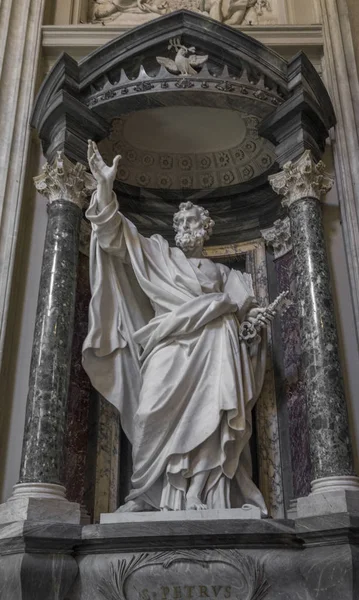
<point x="222" y="559"/>
<point x="248" y="511"/>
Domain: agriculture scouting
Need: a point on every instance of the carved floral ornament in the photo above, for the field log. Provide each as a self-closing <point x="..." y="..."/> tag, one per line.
<point x="249" y="577"/>
<point x="65" y="181"/>
<point x="279" y="237"/>
<point x="189" y="70"/>
<point x="234" y="12"/>
<point x="302" y="179"/>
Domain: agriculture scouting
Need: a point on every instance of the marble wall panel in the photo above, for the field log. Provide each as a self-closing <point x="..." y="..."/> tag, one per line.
<point x="106" y="492"/>
<point x="269" y="451"/>
<point x="93" y="426"/>
<point x="77" y="428"/>
<point x="291" y="382"/>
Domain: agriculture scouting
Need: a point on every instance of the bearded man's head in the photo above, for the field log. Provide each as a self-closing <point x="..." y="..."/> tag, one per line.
<point x="193" y="226"/>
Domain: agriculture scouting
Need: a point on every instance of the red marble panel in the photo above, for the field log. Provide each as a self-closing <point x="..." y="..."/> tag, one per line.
<point x="77" y="430"/>
<point x="293" y="387"/>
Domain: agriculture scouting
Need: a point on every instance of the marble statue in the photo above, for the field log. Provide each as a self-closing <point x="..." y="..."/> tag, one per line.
<point x="164" y="347"/>
<point x="230" y="12"/>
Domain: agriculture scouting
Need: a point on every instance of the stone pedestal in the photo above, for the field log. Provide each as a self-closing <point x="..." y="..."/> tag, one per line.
<point x="303" y="184"/>
<point x="182" y="560"/>
<point x="40" y="494"/>
<point x="329" y="502"/>
<point x="36" y="561"/>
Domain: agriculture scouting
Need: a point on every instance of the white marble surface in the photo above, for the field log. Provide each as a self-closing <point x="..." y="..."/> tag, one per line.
<point x="246" y="512"/>
<point x="187" y="147"/>
<point x="43" y="510"/>
<point x="327" y="503"/>
<point x="231" y="13"/>
<point x="189" y="426"/>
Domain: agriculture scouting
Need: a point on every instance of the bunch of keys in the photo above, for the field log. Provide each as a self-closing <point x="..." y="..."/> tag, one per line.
<point x="248" y="332"/>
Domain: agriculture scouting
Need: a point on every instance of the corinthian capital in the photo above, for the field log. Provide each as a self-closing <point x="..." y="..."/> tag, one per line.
<point x="279" y="237"/>
<point x="301" y="179"/>
<point x="65" y="181"/>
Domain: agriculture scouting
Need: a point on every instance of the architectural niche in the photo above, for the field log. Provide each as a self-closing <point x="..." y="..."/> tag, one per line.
<point x="212" y="163"/>
<point x="194" y="556"/>
<point x="163" y="123"/>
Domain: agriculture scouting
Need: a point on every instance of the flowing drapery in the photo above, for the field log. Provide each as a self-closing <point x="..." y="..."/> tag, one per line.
<point x="163" y="347"/>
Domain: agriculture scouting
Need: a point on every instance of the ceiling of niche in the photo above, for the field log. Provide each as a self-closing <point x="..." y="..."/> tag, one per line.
<point x="191" y="147"/>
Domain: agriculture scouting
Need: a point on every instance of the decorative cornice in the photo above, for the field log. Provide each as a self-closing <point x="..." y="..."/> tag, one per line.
<point x="65" y="181"/>
<point x="243" y="86"/>
<point x="301" y="179"/>
<point x="81" y="40"/>
<point x="279" y="237"/>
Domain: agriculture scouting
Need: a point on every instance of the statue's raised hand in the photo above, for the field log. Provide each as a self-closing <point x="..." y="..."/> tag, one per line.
<point x="103" y="174"/>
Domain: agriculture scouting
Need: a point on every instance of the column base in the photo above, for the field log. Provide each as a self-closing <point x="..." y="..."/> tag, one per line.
<point x="330" y="495"/>
<point x="292" y="510"/>
<point x="41" y="502"/>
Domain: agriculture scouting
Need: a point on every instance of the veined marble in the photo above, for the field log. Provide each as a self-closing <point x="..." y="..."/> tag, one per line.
<point x="292" y="383"/>
<point x="303" y="184"/>
<point x="268" y="442"/>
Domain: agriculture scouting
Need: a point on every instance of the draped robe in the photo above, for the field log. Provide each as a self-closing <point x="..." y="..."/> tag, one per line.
<point x="163" y="347"/>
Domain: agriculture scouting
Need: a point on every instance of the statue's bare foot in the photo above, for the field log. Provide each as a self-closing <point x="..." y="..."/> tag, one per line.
<point x="134" y="506"/>
<point x="194" y="503"/>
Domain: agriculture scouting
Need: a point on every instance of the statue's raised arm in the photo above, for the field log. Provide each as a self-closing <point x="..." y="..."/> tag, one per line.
<point x="103" y="212"/>
<point x="104" y="175"/>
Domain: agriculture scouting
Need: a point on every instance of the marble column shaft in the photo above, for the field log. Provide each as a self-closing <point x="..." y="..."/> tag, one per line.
<point x="302" y="185"/>
<point x="49" y="373"/>
<point x="43" y="444"/>
<point x="328" y="420"/>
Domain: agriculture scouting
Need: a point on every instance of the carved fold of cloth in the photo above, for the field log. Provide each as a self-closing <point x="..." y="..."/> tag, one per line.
<point x="163" y="347"/>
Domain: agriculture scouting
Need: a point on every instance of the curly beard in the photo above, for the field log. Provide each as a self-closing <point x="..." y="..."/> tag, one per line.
<point x="190" y="240"/>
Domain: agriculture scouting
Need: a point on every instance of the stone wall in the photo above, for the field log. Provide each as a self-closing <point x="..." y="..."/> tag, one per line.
<point x="353" y="8"/>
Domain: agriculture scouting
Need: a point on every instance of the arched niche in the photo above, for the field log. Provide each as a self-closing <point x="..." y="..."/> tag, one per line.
<point x="242" y="114"/>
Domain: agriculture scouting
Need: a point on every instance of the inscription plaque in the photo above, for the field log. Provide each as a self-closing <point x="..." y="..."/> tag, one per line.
<point x="186" y="575"/>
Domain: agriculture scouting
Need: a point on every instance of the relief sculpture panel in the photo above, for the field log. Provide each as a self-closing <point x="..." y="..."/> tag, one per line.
<point x="177" y="575"/>
<point x="230" y="12"/>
